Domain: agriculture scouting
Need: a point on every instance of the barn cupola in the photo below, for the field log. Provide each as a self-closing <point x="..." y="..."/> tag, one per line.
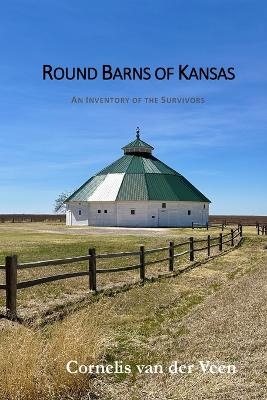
<point x="138" y="147"/>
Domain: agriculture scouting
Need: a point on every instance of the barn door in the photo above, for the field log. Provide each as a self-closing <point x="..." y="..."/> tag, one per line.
<point x="99" y="219"/>
<point x="163" y="218"/>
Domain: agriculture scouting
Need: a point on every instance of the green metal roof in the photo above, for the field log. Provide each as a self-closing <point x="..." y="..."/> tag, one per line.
<point x="138" y="164"/>
<point x="138" y="176"/>
<point x="138" y="143"/>
<point x="133" y="187"/>
<point x="119" y="166"/>
<point x="172" y="188"/>
<point x="87" y="189"/>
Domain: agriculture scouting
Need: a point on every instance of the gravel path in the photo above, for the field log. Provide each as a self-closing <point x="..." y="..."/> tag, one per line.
<point x="84" y="230"/>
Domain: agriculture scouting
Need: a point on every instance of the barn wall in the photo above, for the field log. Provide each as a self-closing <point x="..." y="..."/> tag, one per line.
<point x="102" y="213"/>
<point x="68" y="217"/>
<point x="151" y="214"/>
<point x="147" y="213"/>
<point x="77" y="213"/>
<point x="176" y="213"/>
<point x="125" y="218"/>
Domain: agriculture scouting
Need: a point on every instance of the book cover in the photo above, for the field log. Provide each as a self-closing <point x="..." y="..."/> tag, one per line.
<point x="132" y="210"/>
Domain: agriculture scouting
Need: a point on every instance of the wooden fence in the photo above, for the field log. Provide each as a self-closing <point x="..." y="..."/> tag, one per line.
<point x="261" y="229"/>
<point x="209" y="225"/>
<point x="12" y="265"/>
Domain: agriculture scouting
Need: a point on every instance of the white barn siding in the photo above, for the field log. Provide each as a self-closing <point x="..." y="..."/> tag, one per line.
<point x="151" y="214"/>
<point x="147" y="213"/>
<point x="77" y="213"/>
<point x="68" y="217"/>
<point x="176" y="213"/>
<point x="182" y="213"/>
<point x="106" y="216"/>
<point x="125" y="218"/>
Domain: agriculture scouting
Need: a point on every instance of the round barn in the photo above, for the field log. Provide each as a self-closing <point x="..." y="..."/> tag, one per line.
<point x="137" y="190"/>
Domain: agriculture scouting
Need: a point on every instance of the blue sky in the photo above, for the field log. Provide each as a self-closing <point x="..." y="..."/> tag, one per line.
<point x="49" y="145"/>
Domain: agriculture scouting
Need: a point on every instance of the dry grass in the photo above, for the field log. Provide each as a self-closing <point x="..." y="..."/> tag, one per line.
<point x="20" y="350"/>
<point x="218" y="315"/>
<point x="33" y="363"/>
<point x="229" y="328"/>
<point x="216" y="311"/>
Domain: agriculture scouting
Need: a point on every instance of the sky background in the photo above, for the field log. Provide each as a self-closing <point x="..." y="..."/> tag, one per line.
<point x="49" y="145"/>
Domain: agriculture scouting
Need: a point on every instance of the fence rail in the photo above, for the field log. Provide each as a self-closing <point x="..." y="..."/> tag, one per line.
<point x="12" y="266"/>
<point x="46" y="263"/>
<point x="208" y="225"/>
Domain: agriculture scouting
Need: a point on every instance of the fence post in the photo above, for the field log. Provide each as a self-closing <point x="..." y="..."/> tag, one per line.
<point x="232" y="237"/>
<point x="142" y="263"/>
<point x="222" y="226"/>
<point x="208" y="245"/>
<point x="191" y="248"/>
<point x="192" y="225"/>
<point x="207" y="226"/>
<point x="171" y="255"/>
<point x="11" y="287"/>
<point x="220" y="242"/>
<point x="92" y="270"/>
<point x="241" y="231"/>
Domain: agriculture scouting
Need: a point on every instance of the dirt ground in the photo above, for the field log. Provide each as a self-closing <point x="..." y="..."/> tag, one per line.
<point x="83" y="230"/>
<point x="228" y="328"/>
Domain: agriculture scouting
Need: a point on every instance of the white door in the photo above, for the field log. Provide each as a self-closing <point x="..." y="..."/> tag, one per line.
<point x="99" y="219"/>
<point x="163" y="218"/>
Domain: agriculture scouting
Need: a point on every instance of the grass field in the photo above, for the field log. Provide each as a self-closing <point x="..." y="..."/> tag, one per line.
<point x="35" y="241"/>
<point x="214" y="312"/>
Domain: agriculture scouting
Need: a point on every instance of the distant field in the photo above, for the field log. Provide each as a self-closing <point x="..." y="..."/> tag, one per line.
<point x="61" y="218"/>
<point x="216" y="312"/>
<point x="239" y="219"/>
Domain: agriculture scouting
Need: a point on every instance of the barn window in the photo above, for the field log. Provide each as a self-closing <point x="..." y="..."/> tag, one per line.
<point x="189" y="212"/>
<point x="99" y="211"/>
<point x="153" y="216"/>
<point x="204" y="206"/>
<point x="80" y="212"/>
<point x="105" y="211"/>
<point x="163" y="205"/>
<point x="132" y="212"/>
